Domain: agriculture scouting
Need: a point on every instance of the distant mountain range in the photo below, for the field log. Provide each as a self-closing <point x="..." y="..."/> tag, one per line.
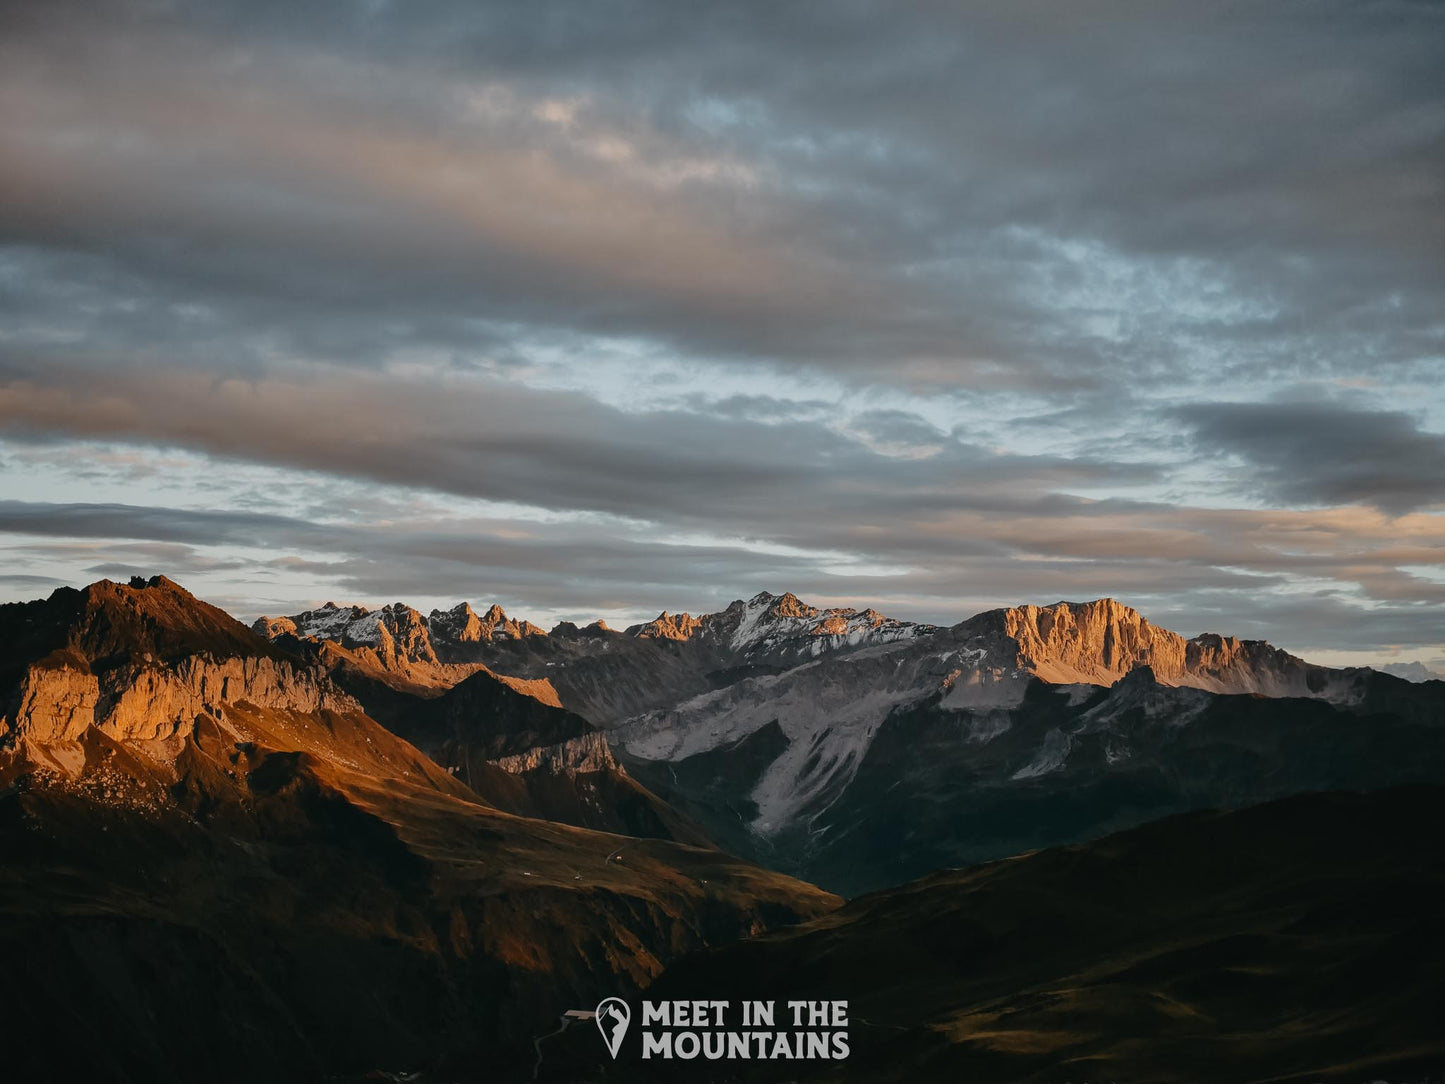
<point x="859" y="751"/>
<point x="1411" y="671"/>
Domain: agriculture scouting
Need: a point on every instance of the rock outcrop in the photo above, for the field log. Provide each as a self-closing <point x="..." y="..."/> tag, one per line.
<point x="585" y="753"/>
<point x="666" y="626"/>
<point x="146" y="702"/>
<point x="1100" y="642"/>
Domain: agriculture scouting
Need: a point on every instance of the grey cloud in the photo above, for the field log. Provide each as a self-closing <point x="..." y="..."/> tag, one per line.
<point x="1326" y="453"/>
<point x="521" y="563"/>
<point x="552" y="449"/>
<point x="996" y="195"/>
<point x="25" y="583"/>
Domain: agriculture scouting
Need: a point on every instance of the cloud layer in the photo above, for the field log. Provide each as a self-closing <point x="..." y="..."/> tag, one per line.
<point x="624" y="306"/>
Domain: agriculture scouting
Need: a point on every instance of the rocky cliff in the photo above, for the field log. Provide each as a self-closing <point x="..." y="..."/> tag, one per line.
<point x="1099" y="642"/>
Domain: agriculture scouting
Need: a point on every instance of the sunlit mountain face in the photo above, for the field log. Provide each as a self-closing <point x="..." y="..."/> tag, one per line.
<point x="510" y="510"/>
<point x="606" y="312"/>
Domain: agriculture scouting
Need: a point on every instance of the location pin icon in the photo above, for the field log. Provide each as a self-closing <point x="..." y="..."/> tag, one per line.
<point x="613" y="1016"/>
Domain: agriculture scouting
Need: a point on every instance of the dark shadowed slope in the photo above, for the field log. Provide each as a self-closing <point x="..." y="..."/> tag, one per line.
<point x="1294" y="941"/>
<point x="535" y="759"/>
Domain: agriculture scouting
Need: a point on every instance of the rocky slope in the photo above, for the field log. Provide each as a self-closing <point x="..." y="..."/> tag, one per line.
<point x="227" y="869"/>
<point x="536" y="759"/>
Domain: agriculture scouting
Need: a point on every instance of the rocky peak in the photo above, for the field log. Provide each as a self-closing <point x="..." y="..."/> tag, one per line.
<point x="568" y="630"/>
<point x="496" y="625"/>
<point x="666" y="626"/>
<point x="397" y="632"/>
<point x="785" y="623"/>
<point x="460" y="624"/>
<point x="138" y="661"/>
<point x="1100" y="642"/>
<point x="1096" y="642"/>
<point x="402" y="633"/>
<point x="110" y="624"/>
<point x="790" y="605"/>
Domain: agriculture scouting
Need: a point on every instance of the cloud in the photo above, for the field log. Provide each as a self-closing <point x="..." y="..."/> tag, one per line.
<point x="556" y="450"/>
<point x="1325" y="453"/>
<point x="934" y="306"/>
<point x="985" y="197"/>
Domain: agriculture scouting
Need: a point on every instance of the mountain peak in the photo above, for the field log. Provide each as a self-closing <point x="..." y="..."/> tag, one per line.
<point x="107" y="624"/>
<point x="666" y="626"/>
<point x="790" y="605"/>
<point x="1095" y="642"/>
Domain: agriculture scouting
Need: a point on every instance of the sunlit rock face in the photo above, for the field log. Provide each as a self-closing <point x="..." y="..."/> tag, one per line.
<point x="145" y="702"/>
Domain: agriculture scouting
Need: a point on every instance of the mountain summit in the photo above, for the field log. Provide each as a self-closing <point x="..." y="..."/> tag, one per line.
<point x="1099" y="642"/>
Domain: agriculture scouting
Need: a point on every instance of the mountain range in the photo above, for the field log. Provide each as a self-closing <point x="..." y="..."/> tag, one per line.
<point x="353" y="843"/>
<point x="858" y="751"/>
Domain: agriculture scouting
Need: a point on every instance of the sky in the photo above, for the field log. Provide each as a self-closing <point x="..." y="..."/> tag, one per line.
<point x="599" y="309"/>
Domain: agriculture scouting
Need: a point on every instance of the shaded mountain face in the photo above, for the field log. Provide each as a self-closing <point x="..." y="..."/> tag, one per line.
<point x="1018" y="728"/>
<point x="227" y="869"/>
<point x="535" y="759"/>
<point x="859" y="752"/>
<point x="1294" y="941"/>
<point x="938" y="787"/>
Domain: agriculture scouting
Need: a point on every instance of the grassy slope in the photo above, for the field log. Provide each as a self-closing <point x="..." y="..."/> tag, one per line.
<point x="1297" y="940"/>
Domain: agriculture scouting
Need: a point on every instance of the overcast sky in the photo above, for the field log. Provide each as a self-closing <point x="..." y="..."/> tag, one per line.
<point x="602" y="308"/>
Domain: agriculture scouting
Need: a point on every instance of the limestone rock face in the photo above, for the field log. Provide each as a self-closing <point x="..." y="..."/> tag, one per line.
<point x="156" y="703"/>
<point x="147" y="701"/>
<point x="1095" y="642"/>
<point x="585" y="753"/>
<point x="1100" y="642"/>
<point x="138" y="662"/>
<point x="55" y="705"/>
<point x="666" y="626"/>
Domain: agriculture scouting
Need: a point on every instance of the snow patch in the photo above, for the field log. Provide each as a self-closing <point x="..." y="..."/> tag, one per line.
<point x="1052" y="755"/>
